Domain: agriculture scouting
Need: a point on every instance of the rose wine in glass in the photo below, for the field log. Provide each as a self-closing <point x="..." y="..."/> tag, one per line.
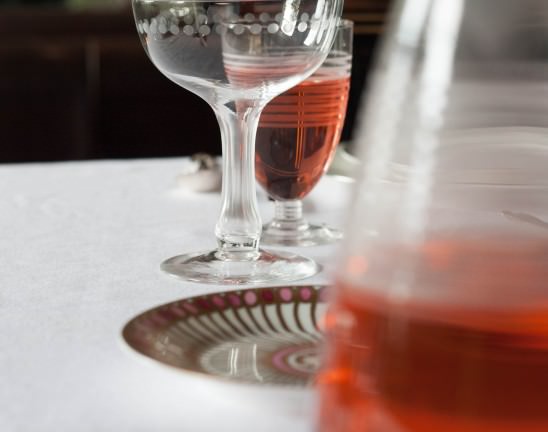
<point x="298" y="133"/>
<point x="237" y="55"/>
<point x="296" y="140"/>
<point x="439" y="316"/>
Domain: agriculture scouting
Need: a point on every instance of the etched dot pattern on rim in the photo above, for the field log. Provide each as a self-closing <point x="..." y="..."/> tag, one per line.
<point x="174" y="21"/>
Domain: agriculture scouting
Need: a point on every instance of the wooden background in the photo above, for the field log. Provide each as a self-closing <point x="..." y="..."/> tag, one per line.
<point x="78" y="85"/>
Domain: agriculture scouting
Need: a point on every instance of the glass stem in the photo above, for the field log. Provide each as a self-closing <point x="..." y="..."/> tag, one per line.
<point x="239" y="226"/>
<point x="288" y="215"/>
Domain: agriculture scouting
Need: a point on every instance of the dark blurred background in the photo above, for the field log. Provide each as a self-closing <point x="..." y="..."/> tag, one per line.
<point x="76" y="84"/>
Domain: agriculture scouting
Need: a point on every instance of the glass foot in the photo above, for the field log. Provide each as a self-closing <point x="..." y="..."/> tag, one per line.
<point x="240" y="268"/>
<point x="311" y="235"/>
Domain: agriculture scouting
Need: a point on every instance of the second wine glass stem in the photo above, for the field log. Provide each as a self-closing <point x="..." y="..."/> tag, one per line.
<point x="239" y="226"/>
<point x="289" y="215"/>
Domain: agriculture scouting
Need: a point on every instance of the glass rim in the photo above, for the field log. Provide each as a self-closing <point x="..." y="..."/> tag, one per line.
<point x="345" y="23"/>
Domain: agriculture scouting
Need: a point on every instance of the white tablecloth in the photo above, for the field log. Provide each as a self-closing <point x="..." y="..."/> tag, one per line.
<point x="80" y="248"/>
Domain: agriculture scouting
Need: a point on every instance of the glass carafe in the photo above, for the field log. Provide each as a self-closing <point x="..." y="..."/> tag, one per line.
<point x="439" y="319"/>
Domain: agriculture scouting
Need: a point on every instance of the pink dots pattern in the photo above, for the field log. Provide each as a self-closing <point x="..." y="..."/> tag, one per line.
<point x="169" y="332"/>
<point x="234" y="300"/>
<point x="286" y="294"/>
<point x="250" y="298"/>
<point x="190" y="308"/>
<point x="218" y="301"/>
<point x="177" y="311"/>
<point x="306" y="294"/>
<point x="268" y="296"/>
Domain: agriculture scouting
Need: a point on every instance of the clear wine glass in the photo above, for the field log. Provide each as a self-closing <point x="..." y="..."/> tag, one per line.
<point x="296" y="140"/>
<point x="439" y="320"/>
<point x="237" y="55"/>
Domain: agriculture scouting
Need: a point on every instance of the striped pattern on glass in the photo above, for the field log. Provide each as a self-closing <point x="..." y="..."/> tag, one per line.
<point x="299" y="131"/>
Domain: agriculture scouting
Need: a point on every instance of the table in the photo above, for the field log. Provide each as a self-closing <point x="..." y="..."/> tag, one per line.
<point x="80" y="247"/>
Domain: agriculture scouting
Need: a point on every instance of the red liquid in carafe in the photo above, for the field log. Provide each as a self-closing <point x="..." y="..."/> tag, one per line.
<point x="474" y="360"/>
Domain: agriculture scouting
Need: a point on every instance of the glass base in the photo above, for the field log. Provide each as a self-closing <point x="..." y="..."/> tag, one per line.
<point x="240" y="268"/>
<point x="310" y="235"/>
